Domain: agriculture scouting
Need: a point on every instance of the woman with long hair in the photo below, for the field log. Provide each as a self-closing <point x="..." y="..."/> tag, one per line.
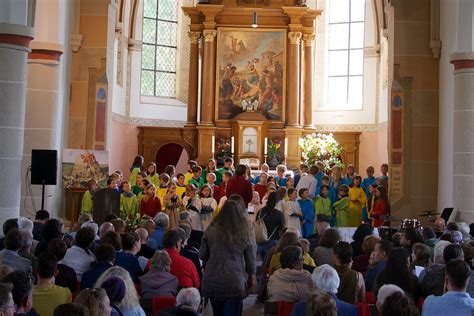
<point x="381" y="206"/>
<point x="357" y="200"/>
<point x="96" y="301"/>
<point x="398" y="272"/>
<point x="135" y="169"/>
<point x="362" y="231"/>
<point x="228" y="248"/>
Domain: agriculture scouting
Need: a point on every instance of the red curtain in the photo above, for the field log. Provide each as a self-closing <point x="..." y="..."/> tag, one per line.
<point x="168" y="155"/>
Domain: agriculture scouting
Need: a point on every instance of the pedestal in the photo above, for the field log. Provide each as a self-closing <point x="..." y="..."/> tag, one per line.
<point x="293" y="134"/>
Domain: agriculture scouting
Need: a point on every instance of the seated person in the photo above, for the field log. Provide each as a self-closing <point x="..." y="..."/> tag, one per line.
<point x="105" y="259"/>
<point x="22" y="292"/>
<point x="352" y="287"/>
<point x="327" y="280"/>
<point x="80" y="257"/>
<point x="361" y="263"/>
<point x="46" y="295"/>
<point x="290" y="283"/>
<point x="71" y="309"/>
<point x="162" y="222"/>
<point x="187" y="250"/>
<point x="127" y="257"/>
<point x="145" y="250"/>
<point x="384" y="292"/>
<point x="6" y="299"/>
<point x="377" y="262"/>
<point x="10" y="257"/>
<point x="188" y="303"/>
<point x="322" y="224"/>
<point x="66" y="276"/>
<point x="455" y="301"/>
<point x="159" y="281"/>
<point x="96" y="301"/>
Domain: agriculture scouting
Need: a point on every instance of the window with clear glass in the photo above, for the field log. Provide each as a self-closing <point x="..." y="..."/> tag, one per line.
<point x="159" y="50"/>
<point x="345" y="53"/>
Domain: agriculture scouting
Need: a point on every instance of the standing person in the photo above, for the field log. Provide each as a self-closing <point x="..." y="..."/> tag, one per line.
<point x="357" y="200"/>
<point x="240" y="185"/>
<point x="350" y="174"/>
<point x="189" y="174"/>
<point x="172" y="203"/>
<point x="307" y="210"/>
<point x="87" y="204"/>
<point x="261" y="186"/>
<point x="322" y="203"/>
<point x="280" y="179"/>
<point x="304" y="168"/>
<point x="135" y="169"/>
<point x="210" y="168"/>
<point x="208" y="206"/>
<point x="150" y="204"/>
<point x="384" y="171"/>
<point x="309" y="181"/>
<point x="228" y="248"/>
<point x="367" y="182"/>
<point x="196" y="179"/>
<point x="228" y="167"/>
<point x="216" y="190"/>
<point x="128" y="202"/>
<point x="334" y="183"/>
<point x="153" y="176"/>
<point x="319" y="176"/>
<point x="192" y="203"/>
<point x="341" y="207"/>
<point x="293" y="210"/>
<point x="381" y="206"/>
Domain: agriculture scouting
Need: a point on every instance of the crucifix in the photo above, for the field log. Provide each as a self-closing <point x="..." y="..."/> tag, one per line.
<point x="249" y="142"/>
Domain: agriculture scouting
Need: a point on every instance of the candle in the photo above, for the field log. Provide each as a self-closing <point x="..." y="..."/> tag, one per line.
<point x="213" y="144"/>
<point x="265" y="146"/>
<point x="232" y="145"/>
<point x="286" y="146"/>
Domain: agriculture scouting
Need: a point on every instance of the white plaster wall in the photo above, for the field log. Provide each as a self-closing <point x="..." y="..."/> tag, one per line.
<point x="448" y="29"/>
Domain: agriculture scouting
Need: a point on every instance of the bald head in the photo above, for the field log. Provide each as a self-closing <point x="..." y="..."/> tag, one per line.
<point x="105" y="228"/>
<point x="439" y="225"/>
<point x="143" y="234"/>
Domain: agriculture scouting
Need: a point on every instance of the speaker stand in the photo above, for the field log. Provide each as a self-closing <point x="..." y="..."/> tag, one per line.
<point x="42" y="196"/>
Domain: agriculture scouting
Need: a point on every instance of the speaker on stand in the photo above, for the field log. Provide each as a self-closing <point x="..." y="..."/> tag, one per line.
<point x="44" y="169"/>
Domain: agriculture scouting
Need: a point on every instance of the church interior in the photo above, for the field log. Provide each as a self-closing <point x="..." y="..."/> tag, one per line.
<point x="391" y="81"/>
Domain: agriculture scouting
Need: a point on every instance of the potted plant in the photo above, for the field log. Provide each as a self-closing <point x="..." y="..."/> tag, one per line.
<point x="222" y="150"/>
<point x="273" y="150"/>
<point x="321" y="147"/>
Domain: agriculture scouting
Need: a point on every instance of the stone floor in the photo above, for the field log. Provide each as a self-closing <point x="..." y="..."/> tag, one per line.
<point x="250" y="307"/>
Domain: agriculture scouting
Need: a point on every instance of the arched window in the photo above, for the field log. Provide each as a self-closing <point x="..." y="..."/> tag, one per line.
<point x="344" y="80"/>
<point x="159" y="51"/>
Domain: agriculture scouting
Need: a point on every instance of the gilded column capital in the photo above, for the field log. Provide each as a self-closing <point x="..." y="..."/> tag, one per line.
<point x="295" y="37"/>
<point x="209" y="35"/>
<point x="194" y="36"/>
<point x="308" y="39"/>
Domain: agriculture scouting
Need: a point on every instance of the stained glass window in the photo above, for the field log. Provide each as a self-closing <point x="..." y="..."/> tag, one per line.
<point x="345" y="53"/>
<point x="160" y="21"/>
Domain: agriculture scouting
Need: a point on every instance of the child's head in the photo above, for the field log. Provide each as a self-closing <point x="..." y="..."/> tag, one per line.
<point x="290" y="182"/>
<point x="292" y="194"/>
<point x="191" y="164"/>
<point x="150" y="189"/>
<point x="372" y="188"/>
<point x="271" y="188"/>
<point x="304" y="168"/>
<point x="196" y="171"/>
<point x="320" y="165"/>
<point x="180" y="177"/>
<point x="116" y="177"/>
<point x="211" y="178"/>
<point x="144" y="184"/>
<point x="190" y="190"/>
<point x="164" y="179"/>
<point x="323" y="190"/>
<point x="151" y="169"/>
<point x="120" y="175"/>
<point x="304" y="243"/>
<point x="140" y="176"/>
<point x="281" y="170"/>
<point x="170" y="170"/>
<point x="343" y="190"/>
<point x="171" y="187"/>
<point x="350" y="170"/>
<point x="211" y="164"/>
<point x="303" y="193"/>
<point x="263" y="178"/>
<point x="325" y="180"/>
<point x="205" y="191"/>
<point x="126" y="186"/>
<point x="271" y="180"/>
<point x="255" y="197"/>
<point x="228" y="162"/>
<point x="111" y="183"/>
<point x="92" y="185"/>
<point x="384" y="169"/>
<point x="264" y="167"/>
<point x="381" y="192"/>
<point x="370" y="171"/>
<point x="356" y="181"/>
<point x="226" y="176"/>
<point x="336" y="171"/>
<point x="281" y="193"/>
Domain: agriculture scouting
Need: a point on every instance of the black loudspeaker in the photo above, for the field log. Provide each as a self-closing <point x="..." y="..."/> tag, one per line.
<point x="44" y="166"/>
<point x="446" y="214"/>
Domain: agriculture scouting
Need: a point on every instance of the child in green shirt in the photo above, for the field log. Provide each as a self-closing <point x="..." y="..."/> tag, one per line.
<point x="129" y="205"/>
<point x="341" y="207"/>
<point x="196" y="180"/>
<point x="87" y="200"/>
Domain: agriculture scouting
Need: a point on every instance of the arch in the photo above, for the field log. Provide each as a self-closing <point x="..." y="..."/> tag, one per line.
<point x="133" y="18"/>
<point x="171" y="153"/>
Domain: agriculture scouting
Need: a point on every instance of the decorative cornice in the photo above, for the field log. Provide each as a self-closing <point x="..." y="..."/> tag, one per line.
<point x="308" y="39"/>
<point x="194" y="37"/>
<point x="351" y="127"/>
<point x="137" y="121"/>
<point x="209" y="35"/>
<point x="295" y="37"/>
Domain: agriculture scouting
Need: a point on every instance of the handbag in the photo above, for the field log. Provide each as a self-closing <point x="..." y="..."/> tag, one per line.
<point x="261" y="232"/>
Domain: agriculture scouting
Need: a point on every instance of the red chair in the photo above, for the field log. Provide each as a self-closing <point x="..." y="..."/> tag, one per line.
<point x="370" y="298"/>
<point x="420" y="302"/>
<point x="285" y="308"/>
<point x="162" y="302"/>
<point x="364" y="309"/>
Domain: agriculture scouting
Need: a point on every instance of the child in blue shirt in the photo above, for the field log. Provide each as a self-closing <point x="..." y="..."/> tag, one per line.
<point x="307" y="208"/>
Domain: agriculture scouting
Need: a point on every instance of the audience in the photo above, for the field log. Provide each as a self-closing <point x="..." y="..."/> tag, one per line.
<point x="377" y="262"/>
<point x="96" y="301"/>
<point x="455" y="301"/>
<point x="161" y="222"/>
<point x="40" y="219"/>
<point x="321" y="304"/>
<point x="187" y="250"/>
<point x="159" y="281"/>
<point x="127" y="258"/>
<point x="439" y="227"/>
<point x="80" y="257"/>
<point x="351" y="288"/>
<point x="9" y="255"/>
<point x="22" y="292"/>
<point x="361" y="232"/>
<point x="361" y="263"/>
<point x="7" y="305"/>
<point x="145" y="250"/>
<point x="384" y="292"/>
<point x="322" y="224"/>
<point x="399" y="304"/>
<point x="323" y="253"/>
<point x="105" y="255"/>
<point x="47" y="295"/>
<point x="188" y="303"/>
<point x="290" y="283"/>
<point x="51" y="230"/>
<point x="71" y="309"/>
<point x="420" y="258"/>
<point x="66" y="276"/>
<point x="9" y="224"/>
<point x="26" y="251"/>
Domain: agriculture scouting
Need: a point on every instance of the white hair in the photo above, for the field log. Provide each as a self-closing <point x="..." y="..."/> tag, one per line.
<point x="189" y="297"/>
<point x="25" y="223"/>
<point x="386" y="291"/>
<point x="162" y="220"/>
<point x="439" y="249"/>
<point x="92" y="225"/>
<point x="326" y="279"/>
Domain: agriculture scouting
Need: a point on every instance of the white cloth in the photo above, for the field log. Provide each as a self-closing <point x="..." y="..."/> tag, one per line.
<point x="78" y="259"/>
<point x="309" y="182"/>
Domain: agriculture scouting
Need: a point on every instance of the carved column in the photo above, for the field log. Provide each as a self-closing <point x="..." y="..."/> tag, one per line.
<point x="308" y="79"/>
<point x="292" y="106"/>
<point x="208" y="74"/>
<point x="193" y="78"/>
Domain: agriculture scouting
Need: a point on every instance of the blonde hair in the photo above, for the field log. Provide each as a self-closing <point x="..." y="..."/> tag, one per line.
<point x="368" y="245"/>
<point x="93" y="299"/>
<point x="131" y="296"/>
<point x="321" y="304"/>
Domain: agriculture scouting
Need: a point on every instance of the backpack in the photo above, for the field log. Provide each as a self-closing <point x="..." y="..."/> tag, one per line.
<point x="261" y="232"/>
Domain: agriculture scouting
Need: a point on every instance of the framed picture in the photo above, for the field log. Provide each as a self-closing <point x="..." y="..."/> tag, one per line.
<point x="79" y="166"/>
<point x="251" y="72"/>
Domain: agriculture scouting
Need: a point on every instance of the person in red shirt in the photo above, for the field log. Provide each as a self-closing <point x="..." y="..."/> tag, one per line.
<point x="181" y="267"/>
<point x="150" y="204"/>
<point x="226" y="176"/>
<point x="216" y="191"/>
<point x="261" y="186"/>
<point x="381" y="206"/>
<point x="240" y="185"/>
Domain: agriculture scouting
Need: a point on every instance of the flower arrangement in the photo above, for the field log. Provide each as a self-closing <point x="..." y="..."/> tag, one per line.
<point x="273" y="148"/>
<point x="223" y="148"/>
<point x="321" y="147"/>
<point x="132" y="221"/>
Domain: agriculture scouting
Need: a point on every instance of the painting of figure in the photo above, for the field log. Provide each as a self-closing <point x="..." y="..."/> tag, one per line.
<point x="250" y="72"/>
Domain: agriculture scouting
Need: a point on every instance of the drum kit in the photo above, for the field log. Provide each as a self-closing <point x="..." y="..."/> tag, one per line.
<point x="387" y="231"/>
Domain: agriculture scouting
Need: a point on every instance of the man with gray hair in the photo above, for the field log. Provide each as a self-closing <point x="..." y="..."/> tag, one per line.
<point x="195" y="235"/>
<point x="27" y="242"/>
<point x="187" y="250"/>
<point x="188" y="302"/>
<point x="327" y="280"/>
<point x="162" y="222"/>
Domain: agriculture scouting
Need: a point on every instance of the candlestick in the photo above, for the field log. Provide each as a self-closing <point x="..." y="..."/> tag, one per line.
<point x="213" y="144"/>
<point x="286" y="146"/>
<point x="265" y="146"/>
<point x="232" y="145"/>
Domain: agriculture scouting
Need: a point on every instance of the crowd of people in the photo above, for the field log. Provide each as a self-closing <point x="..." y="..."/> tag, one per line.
<point x="211" y="236"/>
